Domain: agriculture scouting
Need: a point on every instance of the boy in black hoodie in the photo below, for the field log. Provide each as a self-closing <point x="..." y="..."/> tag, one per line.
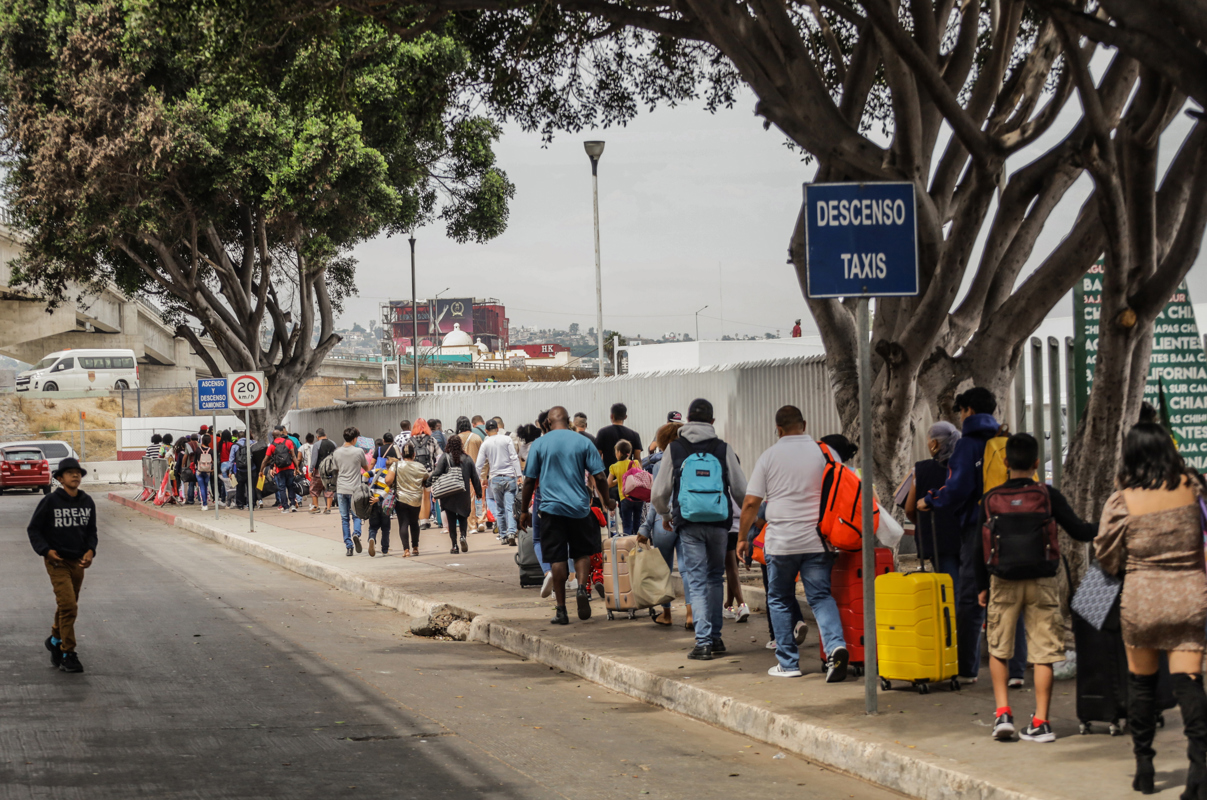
<point x="63" y="532"/>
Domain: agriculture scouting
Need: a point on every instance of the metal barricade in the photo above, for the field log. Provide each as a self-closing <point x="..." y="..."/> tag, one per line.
<point x="153" y="470"/>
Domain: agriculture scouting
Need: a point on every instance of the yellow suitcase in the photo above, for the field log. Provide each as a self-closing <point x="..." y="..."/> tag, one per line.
<point x="916" y="630"/>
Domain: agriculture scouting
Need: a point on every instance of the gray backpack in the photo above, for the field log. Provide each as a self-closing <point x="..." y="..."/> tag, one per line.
<point x="361" y="500"/>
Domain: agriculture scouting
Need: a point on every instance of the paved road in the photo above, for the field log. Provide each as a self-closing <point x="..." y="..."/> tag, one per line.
<point x="214" y="675"/>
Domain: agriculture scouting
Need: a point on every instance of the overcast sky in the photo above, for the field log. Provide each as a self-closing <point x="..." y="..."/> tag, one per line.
<point x="695" y="209"/>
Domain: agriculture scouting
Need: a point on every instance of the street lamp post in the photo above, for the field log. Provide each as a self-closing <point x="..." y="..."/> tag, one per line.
<point x="414" y="325"/>
<point x="698" y="323"/>
<point x="594" y="151"/>
<point x="430" y="314"/>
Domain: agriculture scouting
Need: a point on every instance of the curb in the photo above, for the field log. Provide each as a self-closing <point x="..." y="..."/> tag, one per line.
<point x="874" y="762"/>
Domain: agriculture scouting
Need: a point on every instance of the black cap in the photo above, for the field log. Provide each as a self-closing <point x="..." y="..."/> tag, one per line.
<point x="674" y="416"/>
<point x="699" y="411"/>
<point x="491" y="425"/>
<point x="68" y="464"/>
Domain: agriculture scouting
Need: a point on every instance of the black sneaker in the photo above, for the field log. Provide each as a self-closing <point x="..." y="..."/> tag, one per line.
<point x="718" y="646"/>
<point x="454" y="551"/>
<point x="56" y="655"/>
<point x="599" y="589"/>
<point x="702" y="652"/>
<point x="1033" y="732"/>
<point x="560" y="617"/>
<point x="583" y="596"/>
<point x="356" y="541"/>
<point x="1003" y="728"/>
<point x="71" y="663"/>
<point x="349" y="551"/>
<point x="464" y="545"/>
<point x="836" y="667"/>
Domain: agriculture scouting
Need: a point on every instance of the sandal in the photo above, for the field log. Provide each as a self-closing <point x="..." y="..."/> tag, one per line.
<point x="406" y="553"/>
<point x="669" y="622"/>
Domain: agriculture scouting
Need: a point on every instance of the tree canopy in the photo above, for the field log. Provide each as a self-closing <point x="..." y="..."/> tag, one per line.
<point x="224" y="158"/>
<point x="975" y="103"/>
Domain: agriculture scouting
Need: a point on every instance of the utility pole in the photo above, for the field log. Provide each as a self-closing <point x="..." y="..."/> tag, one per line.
<point x="594" y="151"/>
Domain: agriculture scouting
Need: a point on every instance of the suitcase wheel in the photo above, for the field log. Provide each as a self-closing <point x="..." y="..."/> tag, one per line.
<point x="1115" y="729"/>
<point x="1084" y="728"/>
<point x="632" y="613"/>
<point x="1160" y="720"/>
<point x="857" y="671"/>
<point x="954" y="684"/>
<point x="923" y="688"/>
<point x="610" y="616"/>
<point x="886" y="684"/>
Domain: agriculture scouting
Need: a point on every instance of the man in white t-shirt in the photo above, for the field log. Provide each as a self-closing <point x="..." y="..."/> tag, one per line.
<point x="789" y="476"/>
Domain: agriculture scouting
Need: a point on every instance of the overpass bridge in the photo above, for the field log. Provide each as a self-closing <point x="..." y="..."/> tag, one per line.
<point x="110" y="319"/>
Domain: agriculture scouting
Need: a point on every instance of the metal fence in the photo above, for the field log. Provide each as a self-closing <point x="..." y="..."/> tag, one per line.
<point x="153" y="470"/>
<point x="744" y="397"/>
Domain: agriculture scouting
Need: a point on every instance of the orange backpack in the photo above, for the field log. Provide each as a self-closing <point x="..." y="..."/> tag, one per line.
<point x="841" y="521"/>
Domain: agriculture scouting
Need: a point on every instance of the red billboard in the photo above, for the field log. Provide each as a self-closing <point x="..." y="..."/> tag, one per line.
<point x="481" y="319"/>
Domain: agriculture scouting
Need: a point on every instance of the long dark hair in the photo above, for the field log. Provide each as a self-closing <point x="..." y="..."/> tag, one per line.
<point x="454" y="450"/>
<point x="1150" y="459"/>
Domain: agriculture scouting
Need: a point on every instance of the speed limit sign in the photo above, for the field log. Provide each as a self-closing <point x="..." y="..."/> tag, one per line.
<point x="245" y="390"/>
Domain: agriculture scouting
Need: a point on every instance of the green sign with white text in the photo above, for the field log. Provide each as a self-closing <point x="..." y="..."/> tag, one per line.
<point x="1177" y="375"/>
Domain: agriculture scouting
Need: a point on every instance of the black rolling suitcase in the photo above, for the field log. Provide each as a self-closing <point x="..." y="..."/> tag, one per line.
<point x="1102" y="675"/>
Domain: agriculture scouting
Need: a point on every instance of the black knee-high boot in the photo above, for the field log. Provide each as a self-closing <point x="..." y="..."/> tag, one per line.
<point x="1188" y="689"/>
<point x="1142" y="722"/>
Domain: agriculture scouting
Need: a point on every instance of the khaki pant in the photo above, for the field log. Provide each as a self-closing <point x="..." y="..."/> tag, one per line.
<point x="66" y="579"/>
<point x="1038" y="601"/>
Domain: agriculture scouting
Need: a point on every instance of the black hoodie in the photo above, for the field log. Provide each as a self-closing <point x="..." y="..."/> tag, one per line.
<point x="64" y="524"/>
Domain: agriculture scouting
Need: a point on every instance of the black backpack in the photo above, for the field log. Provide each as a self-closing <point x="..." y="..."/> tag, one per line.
<point x="241" y="456"/>
<point x="282" y="457"/>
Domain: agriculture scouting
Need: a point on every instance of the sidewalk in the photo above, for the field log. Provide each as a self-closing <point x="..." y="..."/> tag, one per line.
<point x="931" y="746"/>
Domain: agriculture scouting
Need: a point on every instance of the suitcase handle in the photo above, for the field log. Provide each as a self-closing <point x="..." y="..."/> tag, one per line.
<point x="947" y="623"/>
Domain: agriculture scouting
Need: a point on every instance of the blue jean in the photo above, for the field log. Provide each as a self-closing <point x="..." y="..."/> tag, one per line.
<point x="345" y="513"/>
<point x="286" y="491"/>
<point x="815" y="570"/>
<point x="630" y="516"/>
<point x="703" y="571"/>
<point x="203" y="484"/>
<point x="669" y="543"/>
<point x="793" y="606"/>
<point x="502" y="490"/>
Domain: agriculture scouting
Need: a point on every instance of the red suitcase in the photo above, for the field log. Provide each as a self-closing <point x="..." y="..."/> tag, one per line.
<point x="846" y="585"/>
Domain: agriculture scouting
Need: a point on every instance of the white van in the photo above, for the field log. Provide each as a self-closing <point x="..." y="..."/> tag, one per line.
<point x="81" y="370"/>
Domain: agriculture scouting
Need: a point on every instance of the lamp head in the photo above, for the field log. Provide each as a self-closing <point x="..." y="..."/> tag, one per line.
<point x="594" y="149"/>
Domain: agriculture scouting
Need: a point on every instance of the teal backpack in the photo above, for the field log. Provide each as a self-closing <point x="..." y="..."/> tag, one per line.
<point x="702" y="495"/>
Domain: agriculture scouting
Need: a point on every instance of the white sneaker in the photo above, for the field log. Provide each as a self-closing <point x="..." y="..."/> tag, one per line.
<point x="800" y="632"/>
<point x="771" y="645"/>
<point x="205" y="507"/>
<point x="966" y="680"/>
<point x="727" y="613"/>
<point x="547" y="586"/>
<point x="779" y="672"/>
<point x="742" y="613"/>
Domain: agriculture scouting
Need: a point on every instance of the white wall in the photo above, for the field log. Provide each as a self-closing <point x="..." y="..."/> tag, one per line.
<point x="135" y="433"/>
<point x="693" y="355"/>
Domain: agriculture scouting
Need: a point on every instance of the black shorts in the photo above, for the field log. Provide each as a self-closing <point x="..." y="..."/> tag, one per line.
<point x="564" y="538"/>
<point x="731" y="544"/>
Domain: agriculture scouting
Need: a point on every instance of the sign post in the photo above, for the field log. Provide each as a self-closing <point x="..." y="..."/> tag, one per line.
<point x="245" y="390"/>
<point x="211" y="396"/>
<point x="861" y="241"/>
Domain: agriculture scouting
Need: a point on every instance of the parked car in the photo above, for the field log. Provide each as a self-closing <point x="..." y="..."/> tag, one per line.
<point x="81" y="370"/>
<point x="53" y="450"/>
<point x="24" y="467"/>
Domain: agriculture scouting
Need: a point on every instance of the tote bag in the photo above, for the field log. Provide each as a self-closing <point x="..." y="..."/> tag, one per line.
<point x="650" y="577"/>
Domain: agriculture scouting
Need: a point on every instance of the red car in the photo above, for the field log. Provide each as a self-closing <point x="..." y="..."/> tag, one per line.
<point x="24" y="467"/>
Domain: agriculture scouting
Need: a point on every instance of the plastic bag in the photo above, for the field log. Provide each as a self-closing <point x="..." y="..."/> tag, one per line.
<point x="890" y="531"/>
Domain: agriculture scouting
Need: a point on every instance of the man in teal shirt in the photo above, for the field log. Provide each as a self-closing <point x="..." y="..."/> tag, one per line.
<point x="559" y="463"/>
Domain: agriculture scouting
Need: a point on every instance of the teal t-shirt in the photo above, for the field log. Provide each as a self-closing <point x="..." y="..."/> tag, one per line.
<point x="561" y="460"/>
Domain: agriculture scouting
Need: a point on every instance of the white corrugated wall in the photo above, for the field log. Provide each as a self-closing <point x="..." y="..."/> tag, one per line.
<point x="744" y="398"/>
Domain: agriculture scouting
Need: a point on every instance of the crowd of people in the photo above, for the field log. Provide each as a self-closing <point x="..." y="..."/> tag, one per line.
<point x="688" y="495"/>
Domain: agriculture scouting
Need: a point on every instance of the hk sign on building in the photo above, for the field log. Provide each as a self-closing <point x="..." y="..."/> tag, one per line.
<point x="1177" y="374"/>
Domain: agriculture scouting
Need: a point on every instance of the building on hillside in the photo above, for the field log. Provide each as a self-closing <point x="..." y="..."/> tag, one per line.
<point x="482" y="320"/>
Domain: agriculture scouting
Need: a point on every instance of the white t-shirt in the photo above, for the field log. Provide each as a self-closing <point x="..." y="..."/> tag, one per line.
<point x="788" y="476"/>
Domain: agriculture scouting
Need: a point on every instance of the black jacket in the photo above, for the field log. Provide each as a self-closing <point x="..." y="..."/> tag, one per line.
<point x="1062" y="512"/>
<point x="64" y="524"/>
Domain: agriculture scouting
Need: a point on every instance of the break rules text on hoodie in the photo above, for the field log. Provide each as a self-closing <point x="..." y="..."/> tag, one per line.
<point x="64" y="524"/>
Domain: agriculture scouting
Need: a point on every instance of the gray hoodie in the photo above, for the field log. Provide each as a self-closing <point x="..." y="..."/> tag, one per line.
<point x="664" y="481"/>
